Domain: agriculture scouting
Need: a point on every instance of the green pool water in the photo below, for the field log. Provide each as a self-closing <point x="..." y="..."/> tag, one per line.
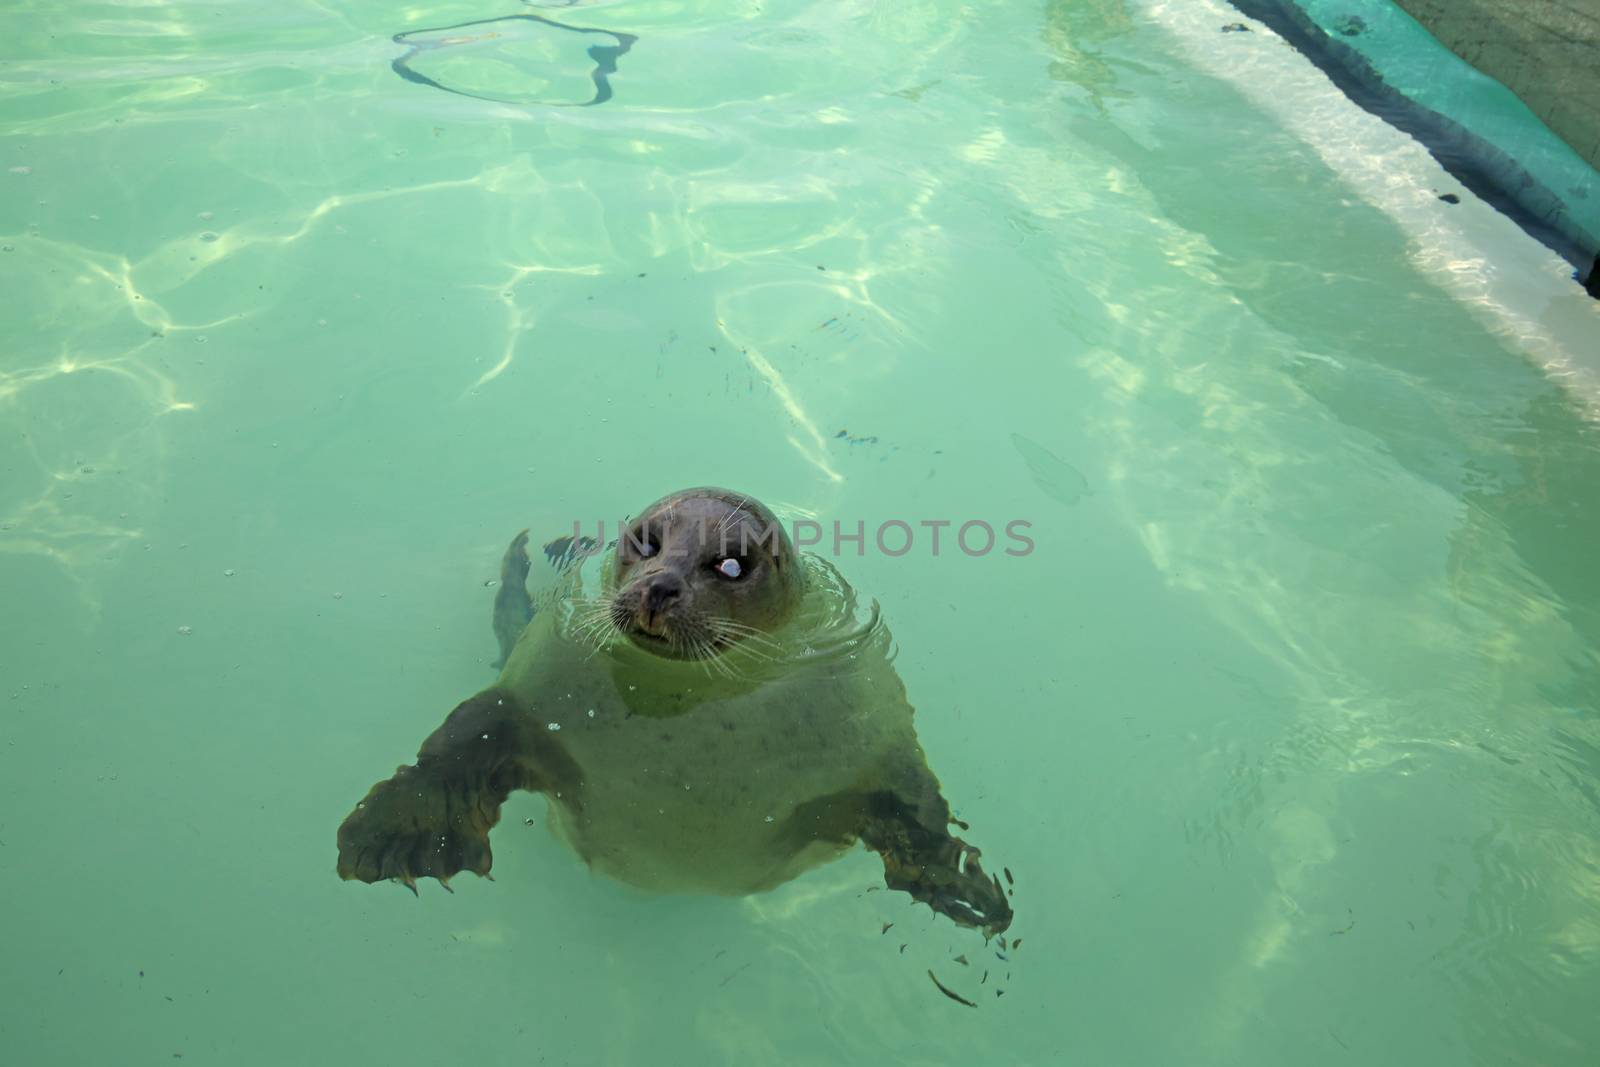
<point x="1288" y="726"/>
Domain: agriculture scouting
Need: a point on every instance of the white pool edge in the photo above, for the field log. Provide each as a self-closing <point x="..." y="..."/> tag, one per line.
<point x="1521" y="291"/>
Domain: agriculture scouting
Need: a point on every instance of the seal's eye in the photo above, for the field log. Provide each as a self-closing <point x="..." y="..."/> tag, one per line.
<point x="729" y="568"/>
<point x="640" y="542"/>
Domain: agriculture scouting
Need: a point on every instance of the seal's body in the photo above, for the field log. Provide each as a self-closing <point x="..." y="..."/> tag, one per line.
<point x="721" y="718"/>
<point x="700" y="797"/>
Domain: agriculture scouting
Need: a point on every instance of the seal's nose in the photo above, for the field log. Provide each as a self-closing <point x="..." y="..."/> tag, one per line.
<point x="659" y="592"/>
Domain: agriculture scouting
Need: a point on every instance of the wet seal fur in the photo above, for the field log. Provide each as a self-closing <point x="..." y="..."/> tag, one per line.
<point x="721" y="717"/>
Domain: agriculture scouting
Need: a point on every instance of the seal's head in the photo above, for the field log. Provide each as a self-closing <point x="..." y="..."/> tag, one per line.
<point x="702" y="571"/>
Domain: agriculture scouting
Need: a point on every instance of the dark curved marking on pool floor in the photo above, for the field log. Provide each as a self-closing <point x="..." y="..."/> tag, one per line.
<point x="605" y="58"/>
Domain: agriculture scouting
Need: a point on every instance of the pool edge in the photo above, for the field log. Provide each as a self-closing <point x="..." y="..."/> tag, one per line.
<point x="1483" y="167"/>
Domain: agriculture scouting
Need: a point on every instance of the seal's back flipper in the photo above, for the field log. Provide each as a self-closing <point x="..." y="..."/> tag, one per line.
<point x="432" y="819"/>
<point x="513" y="606"/>
<point x="513" y="609"/>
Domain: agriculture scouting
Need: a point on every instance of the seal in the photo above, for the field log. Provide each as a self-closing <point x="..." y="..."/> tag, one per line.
<point x="711" y="713"/>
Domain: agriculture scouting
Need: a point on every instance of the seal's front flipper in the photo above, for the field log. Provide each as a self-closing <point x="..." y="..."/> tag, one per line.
<point x="921" y="858"/>
<point x="432" y="819"/>
<point x="513" y="610"/>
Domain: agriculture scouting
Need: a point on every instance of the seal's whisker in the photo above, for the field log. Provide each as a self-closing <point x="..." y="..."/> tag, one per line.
<point x="596" y="624"/>
<point x="734" y="624"/>
<point x="690" y="642"/>
<point x="598" y="618"/>
<point x="588" y="607"/>
<point x="618" y="614"/>
<point x="686" y="645"/>
<point x="751" y="640"/>
<point x="729" y="628"/>
<point x="594" y="629"/>
<point x="745" y="650"/>
<point x="701" y="643"/>
<point x="719" y="663"/>
<point x="731" y="646"/>
<point x="734" y="514"/>
<point x="595" y="644"/>
<point x="706" y="663"/>
<point x="715" y="655"/>
<point x="601" y="639"/>
<point x="598" y="621"/>
<point x="585" y="613"/>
